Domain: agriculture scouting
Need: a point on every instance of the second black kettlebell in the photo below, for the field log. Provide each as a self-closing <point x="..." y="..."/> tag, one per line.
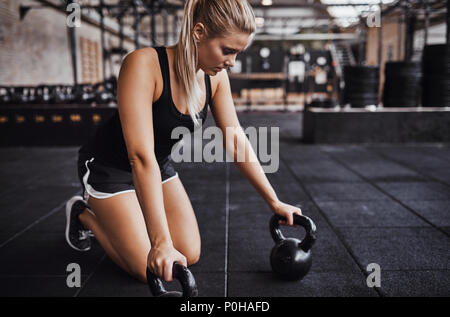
<point x="291" y="258"/>
<point x="182" y="274"/>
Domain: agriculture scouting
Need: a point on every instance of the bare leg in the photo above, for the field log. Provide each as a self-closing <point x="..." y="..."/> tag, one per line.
<point x="182" y="221"/>
<point x="119" y="227"/>
<point x="90" y="221"/>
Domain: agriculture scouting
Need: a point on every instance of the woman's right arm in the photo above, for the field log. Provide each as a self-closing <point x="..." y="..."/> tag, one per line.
<point x="136" y="86"/>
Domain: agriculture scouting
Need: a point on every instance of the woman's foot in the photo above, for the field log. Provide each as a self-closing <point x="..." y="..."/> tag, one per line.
<point x="78" y="237"/>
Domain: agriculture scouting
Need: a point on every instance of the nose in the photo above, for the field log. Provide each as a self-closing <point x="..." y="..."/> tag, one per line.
<point x="230" y="62"/>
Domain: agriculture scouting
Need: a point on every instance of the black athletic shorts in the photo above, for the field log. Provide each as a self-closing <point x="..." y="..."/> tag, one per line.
<point x="101" y="181"/>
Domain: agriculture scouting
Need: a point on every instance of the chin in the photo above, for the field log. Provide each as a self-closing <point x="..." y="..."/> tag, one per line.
<point x="212" y="72"/>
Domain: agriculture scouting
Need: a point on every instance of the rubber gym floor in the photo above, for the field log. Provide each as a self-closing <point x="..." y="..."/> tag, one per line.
<point x="387" y="204"/>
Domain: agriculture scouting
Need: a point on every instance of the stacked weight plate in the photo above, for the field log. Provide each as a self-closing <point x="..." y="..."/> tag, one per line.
<point x="436" y="76"/>
<point x="361" y="85"/>
<point x="402" y="85"/>
<point x="322" y="103"/>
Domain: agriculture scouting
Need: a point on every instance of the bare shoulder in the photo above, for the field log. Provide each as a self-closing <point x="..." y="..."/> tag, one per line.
<point x="146" y="54"/>
<point x="138" y="77"/>
<point x="219" y="80"/>
<point x="144" y="60"/>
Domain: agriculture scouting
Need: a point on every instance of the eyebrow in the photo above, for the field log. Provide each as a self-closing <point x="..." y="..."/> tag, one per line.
<point x="232" y="49"/>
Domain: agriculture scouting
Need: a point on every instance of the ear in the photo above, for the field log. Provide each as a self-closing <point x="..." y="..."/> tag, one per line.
<point x="199" y="32"/>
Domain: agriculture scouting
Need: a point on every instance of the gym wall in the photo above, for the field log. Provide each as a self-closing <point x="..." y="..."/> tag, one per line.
<point x="36" y="50"/>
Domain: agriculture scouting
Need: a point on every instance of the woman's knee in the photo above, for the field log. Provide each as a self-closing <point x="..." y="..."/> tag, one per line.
<point x="192" y="260"/>
<point x="192" y="254"/>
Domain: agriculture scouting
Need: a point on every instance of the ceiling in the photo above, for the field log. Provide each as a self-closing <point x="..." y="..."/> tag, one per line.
<point x="281" y="16"/>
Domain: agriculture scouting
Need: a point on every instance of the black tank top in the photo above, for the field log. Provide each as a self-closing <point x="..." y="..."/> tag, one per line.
<point x="108" y="144"/>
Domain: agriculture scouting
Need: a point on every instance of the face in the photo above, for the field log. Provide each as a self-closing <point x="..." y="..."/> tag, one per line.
<point x="219" y="53"/>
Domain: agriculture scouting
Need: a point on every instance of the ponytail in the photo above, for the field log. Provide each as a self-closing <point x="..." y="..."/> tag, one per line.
<point x="186" y="58"/>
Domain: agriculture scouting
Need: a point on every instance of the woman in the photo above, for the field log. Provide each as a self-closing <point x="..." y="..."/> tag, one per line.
<point x="138" y="221"/>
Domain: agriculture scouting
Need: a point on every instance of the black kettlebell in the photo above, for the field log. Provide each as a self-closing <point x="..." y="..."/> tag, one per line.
<point x="291" y="258"/>
<point x="182" y="274"/>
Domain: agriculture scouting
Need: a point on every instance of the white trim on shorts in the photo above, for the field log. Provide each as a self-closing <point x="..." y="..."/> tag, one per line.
<point x="89" y="190"/>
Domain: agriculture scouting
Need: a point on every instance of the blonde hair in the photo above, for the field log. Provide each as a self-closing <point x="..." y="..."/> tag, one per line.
<point x="220" y="18"/>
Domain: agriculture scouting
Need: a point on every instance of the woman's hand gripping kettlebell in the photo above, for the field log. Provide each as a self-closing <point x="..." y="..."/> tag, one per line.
<point x="287" y="211"/>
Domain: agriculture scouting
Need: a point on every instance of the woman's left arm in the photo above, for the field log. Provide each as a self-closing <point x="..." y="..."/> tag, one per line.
<point x="239" y="148"/>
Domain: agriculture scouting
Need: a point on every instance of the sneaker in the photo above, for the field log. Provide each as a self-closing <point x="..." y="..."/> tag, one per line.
<point x="76" y="235"/>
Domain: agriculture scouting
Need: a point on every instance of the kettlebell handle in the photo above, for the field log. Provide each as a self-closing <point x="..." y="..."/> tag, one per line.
<point x="179" y="272"/>
<point x="300" y="220"/>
